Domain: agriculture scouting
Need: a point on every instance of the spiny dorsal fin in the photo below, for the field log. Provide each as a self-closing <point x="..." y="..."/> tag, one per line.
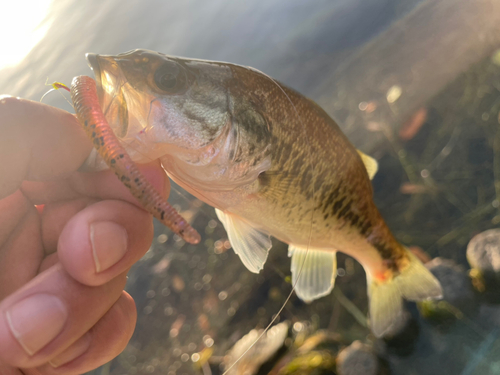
<point x="370" y="163"/>
<point x="251" y="245"/>
<point x="317" y="276"/>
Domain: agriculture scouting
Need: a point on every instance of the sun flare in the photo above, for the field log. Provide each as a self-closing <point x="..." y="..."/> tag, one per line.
<point x="21" y="29"/>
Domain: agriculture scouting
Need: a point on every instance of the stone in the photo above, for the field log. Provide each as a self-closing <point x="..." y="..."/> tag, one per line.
<point x="357" y="359"/>
<point x="457" y="288"/>
<point x="483" y="251"/>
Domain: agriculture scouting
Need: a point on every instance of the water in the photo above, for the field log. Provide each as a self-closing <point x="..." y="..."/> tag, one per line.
<point x="435" y="187"/>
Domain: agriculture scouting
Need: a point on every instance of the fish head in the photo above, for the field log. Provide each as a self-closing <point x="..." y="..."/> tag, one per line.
<point x="192" y="114"/>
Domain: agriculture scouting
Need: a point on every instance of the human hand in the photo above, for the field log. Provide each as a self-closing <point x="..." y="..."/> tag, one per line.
<point x="63" y="267"/>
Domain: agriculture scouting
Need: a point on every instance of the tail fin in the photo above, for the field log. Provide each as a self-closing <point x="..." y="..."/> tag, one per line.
<point x="414" y="283"/>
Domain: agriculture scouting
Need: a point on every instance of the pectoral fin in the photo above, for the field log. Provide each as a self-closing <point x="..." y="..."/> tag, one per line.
<point x="370" y="163"/>
<point x="317" y="269"/>
<point x="251" y="245"/>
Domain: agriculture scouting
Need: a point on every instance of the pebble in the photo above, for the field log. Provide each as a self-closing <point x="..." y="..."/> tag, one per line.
<point x="357" y="359"/>
<point x="483" y="251"/>
<point x="257" y="349"/>
<point x="457" y="288"/>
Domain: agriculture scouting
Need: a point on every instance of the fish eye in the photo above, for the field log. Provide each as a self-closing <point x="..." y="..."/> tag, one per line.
<point x="167" y="81"/>
<point x="170" y="77"/>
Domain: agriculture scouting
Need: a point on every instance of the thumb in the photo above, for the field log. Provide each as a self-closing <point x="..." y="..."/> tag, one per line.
<point x="38" y="142"/>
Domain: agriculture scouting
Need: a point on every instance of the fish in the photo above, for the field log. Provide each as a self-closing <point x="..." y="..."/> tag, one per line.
<point x="271" y="162"/>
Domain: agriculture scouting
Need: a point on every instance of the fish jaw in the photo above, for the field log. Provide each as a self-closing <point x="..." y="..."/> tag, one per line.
<point x="127" y="111"/>
<point x="109" y="81"/>
<point x="134" y="111"/>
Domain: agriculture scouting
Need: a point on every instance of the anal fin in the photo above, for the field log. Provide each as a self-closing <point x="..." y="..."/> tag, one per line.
<point x="317" y="269"/>
<point x="251" y="245"/>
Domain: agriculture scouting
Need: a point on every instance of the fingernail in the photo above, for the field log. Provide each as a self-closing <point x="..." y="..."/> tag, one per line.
<point x="109" y="244"/>
<point x="73" y="352"/>
<point x="37" y="320"/>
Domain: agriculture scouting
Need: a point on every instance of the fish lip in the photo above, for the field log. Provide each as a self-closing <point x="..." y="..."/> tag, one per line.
<point x="109" y="79"/>
<point x="93" y="62"/>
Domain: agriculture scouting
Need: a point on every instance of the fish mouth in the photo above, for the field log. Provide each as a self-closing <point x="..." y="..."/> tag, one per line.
<point x="93" y="62"/>
<point x="110" y="81"/>
<point x="126" y="110"/>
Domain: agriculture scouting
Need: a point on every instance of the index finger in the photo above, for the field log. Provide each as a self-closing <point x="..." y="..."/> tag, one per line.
<point x="37" y="142"/>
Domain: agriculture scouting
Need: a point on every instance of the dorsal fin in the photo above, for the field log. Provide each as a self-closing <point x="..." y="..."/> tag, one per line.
<point x="318" y="269"/>
<point x="370" y="163"/>
<point x="251" y="245"/>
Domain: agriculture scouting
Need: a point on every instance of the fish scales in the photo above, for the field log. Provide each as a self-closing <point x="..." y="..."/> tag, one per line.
<point x="272" y="163"/>
<point x="309" y="147"/>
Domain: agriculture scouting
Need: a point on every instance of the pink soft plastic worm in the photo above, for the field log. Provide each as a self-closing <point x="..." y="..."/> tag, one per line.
<point x="89" y="113"/>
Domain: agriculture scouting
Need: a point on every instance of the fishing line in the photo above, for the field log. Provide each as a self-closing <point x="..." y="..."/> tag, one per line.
<point x="312" y="213"/>
<point x="55" y="87"/>
<point x="276" y="316"/>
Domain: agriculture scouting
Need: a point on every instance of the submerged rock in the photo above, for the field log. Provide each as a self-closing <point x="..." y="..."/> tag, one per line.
<point x="357" y="359"/>
<point x="458" y="295"/>
<point x="457" y="289"/>
<point x="258" y="354"/>
<point x="483" y="254"/>
<point x="483" y="251"/>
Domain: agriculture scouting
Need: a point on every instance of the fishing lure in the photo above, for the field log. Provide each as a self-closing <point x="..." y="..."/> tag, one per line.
<point x="88" y="111"/>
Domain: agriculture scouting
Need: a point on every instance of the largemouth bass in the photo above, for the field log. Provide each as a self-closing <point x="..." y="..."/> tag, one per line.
<point x="271" y="162"/>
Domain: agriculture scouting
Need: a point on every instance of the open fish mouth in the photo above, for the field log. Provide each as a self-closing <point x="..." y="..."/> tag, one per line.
<point x="126" y="110"/>
<point x="110" y="82"/>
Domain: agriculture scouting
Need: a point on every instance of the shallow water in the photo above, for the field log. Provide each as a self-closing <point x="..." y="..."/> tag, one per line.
<point x="435" y="186"/>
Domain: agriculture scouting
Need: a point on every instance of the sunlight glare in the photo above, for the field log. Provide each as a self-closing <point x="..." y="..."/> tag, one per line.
<point x="20" y="30"/>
